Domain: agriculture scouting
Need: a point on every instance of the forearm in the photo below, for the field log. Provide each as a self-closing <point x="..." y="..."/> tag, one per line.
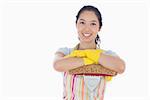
<point x="112" y="62"/>
<point x="66" y="64"/>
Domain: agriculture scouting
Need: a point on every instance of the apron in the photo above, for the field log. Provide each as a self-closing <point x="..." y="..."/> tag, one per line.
<point x="81" y="87"/>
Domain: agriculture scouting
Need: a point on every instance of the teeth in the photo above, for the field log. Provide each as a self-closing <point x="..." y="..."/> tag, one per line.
<point x="86" y="34"/>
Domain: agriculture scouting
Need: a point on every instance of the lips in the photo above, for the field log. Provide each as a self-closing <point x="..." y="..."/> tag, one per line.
<point x="86" y="34"/>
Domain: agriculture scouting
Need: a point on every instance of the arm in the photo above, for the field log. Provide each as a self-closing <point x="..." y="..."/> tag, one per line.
<point x="112" y="62"/>
<point x="63" y="64"/>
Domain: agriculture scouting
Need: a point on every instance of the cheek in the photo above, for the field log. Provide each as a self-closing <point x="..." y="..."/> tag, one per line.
<point x="95" y="30"/>
<point x="79" y="29"/>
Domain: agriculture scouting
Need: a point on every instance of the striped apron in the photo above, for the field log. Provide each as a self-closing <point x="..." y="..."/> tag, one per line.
<point x="77" y="87"/>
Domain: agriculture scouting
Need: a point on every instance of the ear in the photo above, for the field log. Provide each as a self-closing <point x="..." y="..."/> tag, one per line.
<point x="99" y="29"/>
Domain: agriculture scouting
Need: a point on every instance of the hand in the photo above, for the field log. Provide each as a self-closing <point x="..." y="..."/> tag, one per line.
<point x="88" y="61"/>
<point x="93" y="54"/>
<point x="108" y="78"/>
<point x="81" y="53"/>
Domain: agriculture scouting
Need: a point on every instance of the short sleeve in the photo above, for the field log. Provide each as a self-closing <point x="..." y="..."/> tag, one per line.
<point x="65" y="50"/>
<point x="110" y="52"/>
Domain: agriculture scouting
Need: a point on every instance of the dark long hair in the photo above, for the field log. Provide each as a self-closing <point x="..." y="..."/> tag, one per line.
<point x="97" y="13"/>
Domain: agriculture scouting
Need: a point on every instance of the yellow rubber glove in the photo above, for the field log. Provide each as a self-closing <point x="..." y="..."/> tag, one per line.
<point x="80" y="53"/>
<point x="88" y="61"/>
<point x="93" y="54"/>
<point x="108" y="78"/>
<point x="77" y="53"/>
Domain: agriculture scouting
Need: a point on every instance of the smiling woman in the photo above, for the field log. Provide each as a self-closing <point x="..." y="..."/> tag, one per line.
<point x="87" y="26"/>
<point x="87" y="52"/>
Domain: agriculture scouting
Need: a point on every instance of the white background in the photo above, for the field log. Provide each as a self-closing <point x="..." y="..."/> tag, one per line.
<point x="32" y="30"/>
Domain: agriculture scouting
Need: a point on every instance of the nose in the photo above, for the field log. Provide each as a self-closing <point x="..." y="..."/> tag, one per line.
<point x="87" y="27"/>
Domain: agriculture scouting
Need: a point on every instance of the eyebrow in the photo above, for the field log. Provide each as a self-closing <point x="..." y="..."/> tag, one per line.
<point x="82" y="19"/>
<point x="90" y="21"/>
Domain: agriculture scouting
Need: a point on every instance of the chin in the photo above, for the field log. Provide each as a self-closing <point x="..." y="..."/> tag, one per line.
<point x="87" y="41"/>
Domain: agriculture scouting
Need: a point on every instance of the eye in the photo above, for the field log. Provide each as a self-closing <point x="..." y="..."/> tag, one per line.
<point x="93" y="24"/>
<point x="82" y="22"/>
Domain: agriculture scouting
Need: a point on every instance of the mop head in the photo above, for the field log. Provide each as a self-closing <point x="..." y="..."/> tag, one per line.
<point x="93" y="70"/>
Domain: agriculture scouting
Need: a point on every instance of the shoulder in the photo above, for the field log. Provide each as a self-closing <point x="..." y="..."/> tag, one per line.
<point x="110" y="52"/>
<point x="65" y="50"/>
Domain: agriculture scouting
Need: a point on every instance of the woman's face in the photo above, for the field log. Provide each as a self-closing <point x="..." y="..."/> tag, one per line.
<point x="87" y="26"/>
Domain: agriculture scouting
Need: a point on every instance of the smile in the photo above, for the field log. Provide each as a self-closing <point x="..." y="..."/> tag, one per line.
<point x="87" y="34"/>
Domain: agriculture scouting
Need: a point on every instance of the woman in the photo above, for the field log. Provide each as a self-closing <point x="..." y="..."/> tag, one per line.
<point x="88" y="51"/>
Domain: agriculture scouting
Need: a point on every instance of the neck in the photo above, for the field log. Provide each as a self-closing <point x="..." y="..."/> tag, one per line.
<point x="83" y="46"/>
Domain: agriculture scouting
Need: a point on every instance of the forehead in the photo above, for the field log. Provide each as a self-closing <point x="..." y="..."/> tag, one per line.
<point x="88" y="16"/>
